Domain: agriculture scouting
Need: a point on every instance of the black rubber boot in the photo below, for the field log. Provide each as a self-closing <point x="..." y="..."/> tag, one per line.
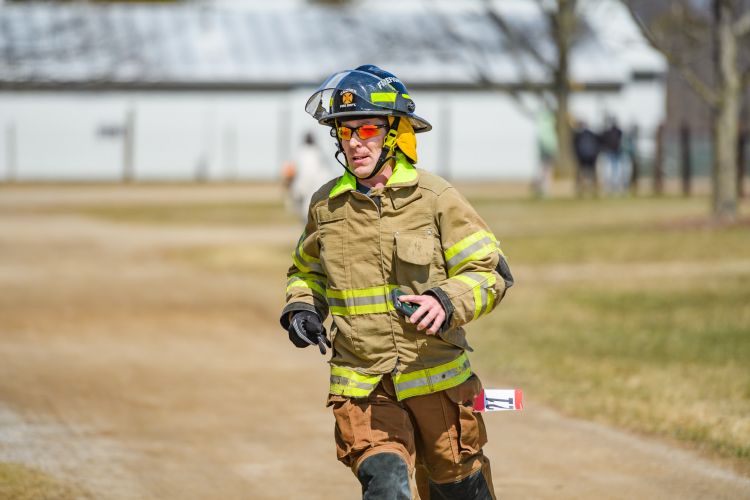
<point x="473" y="487"/>
<point x="384" y="476"/>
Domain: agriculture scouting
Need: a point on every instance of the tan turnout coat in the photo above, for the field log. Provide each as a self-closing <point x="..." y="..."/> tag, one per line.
<point x="418" y="234"/>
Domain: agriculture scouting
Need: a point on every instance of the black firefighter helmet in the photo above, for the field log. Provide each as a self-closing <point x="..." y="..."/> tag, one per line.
<point x="364" y="91"/>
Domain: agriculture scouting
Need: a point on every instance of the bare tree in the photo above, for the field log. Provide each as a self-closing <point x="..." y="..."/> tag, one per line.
<point x="723" y="25"/>
<point x="562" y="26"/>
<point x="563" y="22"/>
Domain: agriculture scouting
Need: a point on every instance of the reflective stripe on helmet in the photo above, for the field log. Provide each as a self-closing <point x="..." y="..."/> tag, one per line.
<point x="356" y="301"/>
<point x="383" y="97"/>
<point x="434" y="379"/>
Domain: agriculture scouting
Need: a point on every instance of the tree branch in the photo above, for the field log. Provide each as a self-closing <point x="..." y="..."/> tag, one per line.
<point x="699" y="86"/>
<point x="517" y="38"/>
<point x="703" y="90"/>
<point x="517" y="54"/>
<point x="523" y="107"/>
<point x="742" y="26"/>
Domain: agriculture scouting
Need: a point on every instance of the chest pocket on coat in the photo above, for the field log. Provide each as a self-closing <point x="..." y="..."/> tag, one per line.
<point x="414" y="251"/>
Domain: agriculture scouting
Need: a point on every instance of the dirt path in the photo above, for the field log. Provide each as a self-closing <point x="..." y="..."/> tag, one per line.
<point x="139" y="376"/>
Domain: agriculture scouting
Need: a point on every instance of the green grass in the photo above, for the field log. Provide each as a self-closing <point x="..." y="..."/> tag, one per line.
<point x="635" y="313"/>
<point x="20" y="482"/>
<point x="628" y="244"/>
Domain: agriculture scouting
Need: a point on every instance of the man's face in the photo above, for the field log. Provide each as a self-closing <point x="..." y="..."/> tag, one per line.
<point x="362" y="154"/>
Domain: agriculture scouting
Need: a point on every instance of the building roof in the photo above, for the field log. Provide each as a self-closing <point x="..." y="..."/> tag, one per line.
<point x="291" y="43"/>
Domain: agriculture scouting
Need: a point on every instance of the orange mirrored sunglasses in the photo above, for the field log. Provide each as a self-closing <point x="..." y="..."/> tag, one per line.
<point x="364" y="132"/>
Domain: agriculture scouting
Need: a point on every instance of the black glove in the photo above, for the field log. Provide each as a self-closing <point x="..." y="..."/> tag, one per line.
<point x="305" y="329"/>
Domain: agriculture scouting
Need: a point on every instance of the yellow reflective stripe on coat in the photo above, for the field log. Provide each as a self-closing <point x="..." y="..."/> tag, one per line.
<point x="472" y="247"/>
<point x="314" y="282"/>
<point x="346" y="382"/>
<point x="482" y="285"/>
<point x="304" y="262"/>
<point x="429" y="380"/>
<point x="360" y="300"/>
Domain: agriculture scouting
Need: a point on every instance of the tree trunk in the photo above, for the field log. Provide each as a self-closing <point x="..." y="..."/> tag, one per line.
<point x="726" y="115"/>
<point x="658" y="182"/>
<point x="635" y="160"/>
<point x="565" y="160"/>
<point x="563" y="26"/>
<point x="741" y="148"/>
<point x="686" y="162"/>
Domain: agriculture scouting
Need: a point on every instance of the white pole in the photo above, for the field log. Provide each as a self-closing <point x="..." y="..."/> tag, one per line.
<point x="11" y="152"/>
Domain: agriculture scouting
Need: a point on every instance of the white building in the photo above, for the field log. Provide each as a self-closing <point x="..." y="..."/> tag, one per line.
<point x="217" y="91"/>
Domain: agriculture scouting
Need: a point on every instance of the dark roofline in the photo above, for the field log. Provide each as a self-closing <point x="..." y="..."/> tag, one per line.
<point x="213" y="86"/>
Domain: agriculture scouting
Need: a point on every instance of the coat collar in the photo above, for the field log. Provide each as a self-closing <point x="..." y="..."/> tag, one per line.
<point x="404" y="174"/>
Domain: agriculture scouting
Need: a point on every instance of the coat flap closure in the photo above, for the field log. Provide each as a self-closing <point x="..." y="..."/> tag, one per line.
<point x="331" y="212"/>
<point x="414" y="248"/>
<point x="404" y="196"/>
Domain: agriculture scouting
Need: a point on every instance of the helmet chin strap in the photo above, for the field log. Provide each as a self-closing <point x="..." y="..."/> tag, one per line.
<point x="389" y="145"/>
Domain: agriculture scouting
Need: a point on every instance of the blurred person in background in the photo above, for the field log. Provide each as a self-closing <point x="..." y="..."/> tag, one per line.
<point x="547" y="147"/>
<point x="586" y="146"/>
<point x="288" y="172"/>
<point x="308" y="173"/>
<point x="615" y="177"/>
<point x="401" y="385"/>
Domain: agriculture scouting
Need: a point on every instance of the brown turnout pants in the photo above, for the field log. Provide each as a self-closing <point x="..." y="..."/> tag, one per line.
<point x="437" y="435"/>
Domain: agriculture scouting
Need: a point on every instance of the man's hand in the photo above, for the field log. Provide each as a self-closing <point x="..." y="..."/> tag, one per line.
<point x="430" y="312"/>
<point x="305" y="329"/>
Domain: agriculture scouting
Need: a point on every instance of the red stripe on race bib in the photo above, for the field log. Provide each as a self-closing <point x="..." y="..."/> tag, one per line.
<point x="479" y="401"/>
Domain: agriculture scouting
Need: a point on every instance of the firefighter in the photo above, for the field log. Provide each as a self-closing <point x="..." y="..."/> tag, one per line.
<point x="401" y="384"/>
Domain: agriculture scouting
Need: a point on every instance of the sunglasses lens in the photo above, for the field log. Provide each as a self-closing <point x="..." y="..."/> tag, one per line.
<point x="367" y="131"/>
<point x="345" y="133"/>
